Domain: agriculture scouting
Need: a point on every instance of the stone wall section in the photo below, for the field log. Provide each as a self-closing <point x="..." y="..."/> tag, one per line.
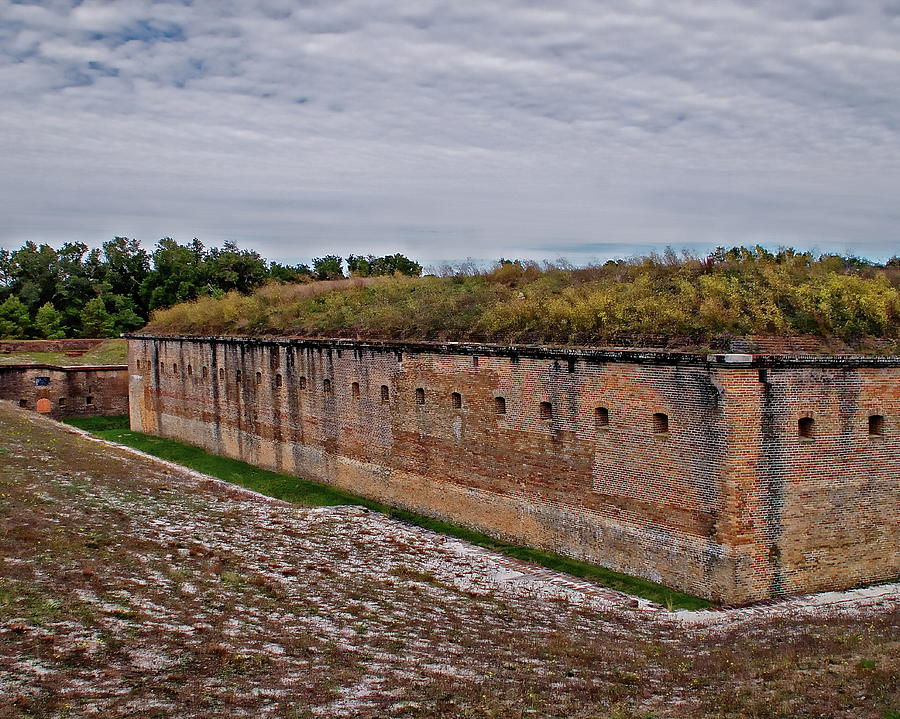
<point x="88" y="391"/>
<point x="832" y="499"/>
<point x="680" y="468"/>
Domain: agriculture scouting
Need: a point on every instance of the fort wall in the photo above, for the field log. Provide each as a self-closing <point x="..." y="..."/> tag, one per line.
<point x="81" y="390"/>
<point x="700" y="472"/>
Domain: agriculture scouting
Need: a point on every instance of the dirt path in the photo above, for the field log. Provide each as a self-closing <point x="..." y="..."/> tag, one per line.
<point x="132" y="586"/>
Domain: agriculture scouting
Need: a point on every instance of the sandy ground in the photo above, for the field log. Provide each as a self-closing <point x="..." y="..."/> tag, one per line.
<point x="133" y="586"/>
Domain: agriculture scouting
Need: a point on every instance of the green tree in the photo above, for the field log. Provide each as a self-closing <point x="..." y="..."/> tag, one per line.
<point x="14" y="320"/>
<point x="231" y="268"/>
<point x="127" y="266"/>
<point x="372" y="266"/>
<point x="289" y="273"/>
<point x="33" y="270"/>
<point x="123" y="314"/>
<point x="95" y="320"/>
<point x="329" y="267"/>
<point x="176" y="274"/>
<point x="78" y="275"/>
<point x="6" y="270"/>
<point x="48" y="322"/>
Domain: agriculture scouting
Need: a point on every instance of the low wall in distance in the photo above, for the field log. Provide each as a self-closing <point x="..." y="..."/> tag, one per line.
<point x="67" y="391"/>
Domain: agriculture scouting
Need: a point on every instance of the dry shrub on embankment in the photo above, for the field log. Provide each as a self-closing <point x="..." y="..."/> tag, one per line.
<point x="736" y="293"/>
<point x="272" y="306"/>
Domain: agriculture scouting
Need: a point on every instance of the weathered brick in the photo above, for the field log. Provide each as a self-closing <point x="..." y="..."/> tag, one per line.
<point x="67" y="391"/>
<point x="729" y="503"/>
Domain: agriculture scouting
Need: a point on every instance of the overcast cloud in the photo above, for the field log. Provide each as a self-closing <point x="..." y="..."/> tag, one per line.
<point x="446" y="130"/>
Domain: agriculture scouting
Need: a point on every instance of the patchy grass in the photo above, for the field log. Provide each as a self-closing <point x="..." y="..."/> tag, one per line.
<point x="130" y="588"/>
<point x="313" y="494"/>
<point x="113" y="351"/>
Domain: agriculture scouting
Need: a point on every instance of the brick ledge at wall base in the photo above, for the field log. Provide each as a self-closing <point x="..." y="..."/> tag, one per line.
<point x="732" y="476"/>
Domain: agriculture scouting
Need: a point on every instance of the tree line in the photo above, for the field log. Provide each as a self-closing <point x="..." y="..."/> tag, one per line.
<point x="76" y="291"/>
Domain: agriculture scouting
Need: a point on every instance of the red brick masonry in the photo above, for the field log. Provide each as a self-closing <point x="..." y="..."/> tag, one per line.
<point x="703" y="472"/>
<point x="80" y="390"/>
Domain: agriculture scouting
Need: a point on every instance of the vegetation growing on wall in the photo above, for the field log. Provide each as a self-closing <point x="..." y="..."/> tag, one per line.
<point x="738" y="292"/>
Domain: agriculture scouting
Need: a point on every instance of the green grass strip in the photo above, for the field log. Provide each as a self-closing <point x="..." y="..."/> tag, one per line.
<point x="314" y="494"/>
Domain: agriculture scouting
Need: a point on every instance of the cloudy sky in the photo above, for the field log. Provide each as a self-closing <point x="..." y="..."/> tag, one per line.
<point x="576" y="128"/>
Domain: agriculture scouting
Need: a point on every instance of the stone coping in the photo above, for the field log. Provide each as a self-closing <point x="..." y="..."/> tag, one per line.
<point x="631" y="355"/>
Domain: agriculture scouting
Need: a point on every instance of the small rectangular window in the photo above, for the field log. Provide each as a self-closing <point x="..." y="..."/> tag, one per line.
<point x="385" y="394"/>
<point x="326" y="386"/>
<point x="174" y="368"/>
<point x="805" y="427"/>
<point x="190" y="370"/>
<point x="546" y="410"/>
<point x="354" y="390"/>
<point x="420" y="396"/>
<point x="571" y="365"/>
<point x="259" y="378"/>
<point x="601" y="417"/>
<point x="89" y="400"/>
<point x="660" y="423"/>
<point x="876" y="425"/>
<point x="278" y="381"/>
<point x="474" y="360"/>
<point x="23" y="403"/>
<point x="301" y="382"/>
<point x="41" y="381"/>
<point x="61" y="401"/>
<point x="238" y="375"/>
<point x="500" y="405"/>
<point x="456" y="400"/>
<point x="204" y="373"/>
<point x="138" y="364"/>
<point x="221" y="373"/>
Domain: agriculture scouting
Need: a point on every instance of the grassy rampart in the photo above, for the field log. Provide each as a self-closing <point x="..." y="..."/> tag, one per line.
<point x="742" y="292"/>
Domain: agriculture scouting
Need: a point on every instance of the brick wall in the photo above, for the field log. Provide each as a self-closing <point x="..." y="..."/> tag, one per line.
<point x="67" y="391"/>
<point x="726" y="501"/>
<point x="826" y="507"/>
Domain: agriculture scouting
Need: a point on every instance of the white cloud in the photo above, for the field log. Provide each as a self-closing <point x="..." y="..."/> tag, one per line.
<point x="452" y="129"/>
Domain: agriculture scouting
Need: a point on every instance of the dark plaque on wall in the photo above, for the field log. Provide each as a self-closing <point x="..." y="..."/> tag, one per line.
<point x="41" y="381"/>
